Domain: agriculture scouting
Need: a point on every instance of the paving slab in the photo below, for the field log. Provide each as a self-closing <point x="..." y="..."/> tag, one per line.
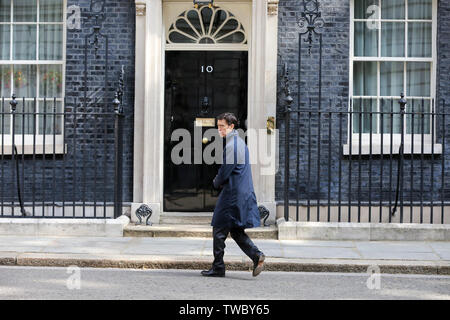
<point x="166" y="246"/>
<point x="317" y="243"/>
<point x="392" y="246"/>
<point x="323" y="253"/>
<point x="439" y="245"/>
<point x="196" y="253"/>
<point x="81" y="249"/>
<point x="443" y="254"/>
<point x="22" y="249"/>
<point x="367" y="254"/>
<point x="23" y="242"/>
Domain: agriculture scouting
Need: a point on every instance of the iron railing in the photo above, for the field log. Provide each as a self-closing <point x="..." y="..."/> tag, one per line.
<point x="351" y="163"/>
<point x="61" y="158"/>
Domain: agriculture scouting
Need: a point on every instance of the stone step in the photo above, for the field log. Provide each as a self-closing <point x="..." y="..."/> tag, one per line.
<point x="186" y="218"/>
<point x="191" y="231"/>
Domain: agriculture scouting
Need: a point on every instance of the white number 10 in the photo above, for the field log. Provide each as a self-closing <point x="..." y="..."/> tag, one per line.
<point x="209" y="69"/>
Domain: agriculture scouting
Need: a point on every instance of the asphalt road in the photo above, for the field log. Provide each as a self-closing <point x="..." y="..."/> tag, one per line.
<point x="112" y="284"/>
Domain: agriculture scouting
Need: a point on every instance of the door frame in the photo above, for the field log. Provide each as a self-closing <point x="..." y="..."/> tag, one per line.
<point x="148" y="166"/>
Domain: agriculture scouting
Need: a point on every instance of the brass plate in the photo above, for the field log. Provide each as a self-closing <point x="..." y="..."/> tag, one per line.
<point x="205" y="122"/>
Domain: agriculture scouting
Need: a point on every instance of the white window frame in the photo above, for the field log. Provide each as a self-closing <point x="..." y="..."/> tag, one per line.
<point x="29" y="143"/>
<point x="429" y="145"/>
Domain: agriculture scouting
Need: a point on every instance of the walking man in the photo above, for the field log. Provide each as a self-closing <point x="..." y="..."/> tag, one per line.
<point x="236" y="208"/>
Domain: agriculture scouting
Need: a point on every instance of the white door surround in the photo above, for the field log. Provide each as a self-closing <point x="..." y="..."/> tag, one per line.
<point x="149" y="96"/>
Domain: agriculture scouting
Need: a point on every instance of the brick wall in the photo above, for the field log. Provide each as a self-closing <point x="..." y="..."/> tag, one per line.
<point x="119" y="26"/>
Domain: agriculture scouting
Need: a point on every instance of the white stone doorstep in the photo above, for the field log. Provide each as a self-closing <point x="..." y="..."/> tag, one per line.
<point x="63" y="227"/>
<point x="292" y="230"/>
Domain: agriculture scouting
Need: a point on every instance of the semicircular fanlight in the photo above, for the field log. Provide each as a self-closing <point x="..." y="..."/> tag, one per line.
<point x="206" y="25"/>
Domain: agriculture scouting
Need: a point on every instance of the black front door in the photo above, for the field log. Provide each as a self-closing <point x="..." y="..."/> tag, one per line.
<point x="199" y="85"/>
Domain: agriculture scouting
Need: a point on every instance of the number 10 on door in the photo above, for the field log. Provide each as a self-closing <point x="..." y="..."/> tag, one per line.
<point x="209" y="69"/>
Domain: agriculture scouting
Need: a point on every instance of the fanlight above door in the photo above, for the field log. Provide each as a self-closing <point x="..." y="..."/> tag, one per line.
<point x="206" y="26"/>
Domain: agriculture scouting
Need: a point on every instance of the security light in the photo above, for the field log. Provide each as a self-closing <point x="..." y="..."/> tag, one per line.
<point x="198" y="3"/>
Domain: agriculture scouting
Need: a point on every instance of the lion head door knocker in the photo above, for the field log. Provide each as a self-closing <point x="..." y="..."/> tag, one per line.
<point x="144" y="211"/>
<point x="264" y="214"/>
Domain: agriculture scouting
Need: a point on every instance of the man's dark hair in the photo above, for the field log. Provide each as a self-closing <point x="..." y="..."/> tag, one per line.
<point x="229" y="117"/>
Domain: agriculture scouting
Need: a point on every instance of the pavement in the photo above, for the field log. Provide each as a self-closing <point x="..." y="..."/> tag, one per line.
<point x="411" y="257"/>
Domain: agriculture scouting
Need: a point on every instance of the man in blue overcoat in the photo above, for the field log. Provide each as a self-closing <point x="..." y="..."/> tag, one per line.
<point x="236" y="208"/>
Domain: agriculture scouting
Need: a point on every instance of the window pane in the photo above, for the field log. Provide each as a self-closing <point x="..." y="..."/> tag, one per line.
<point x="362" y="10"/>
<point x="361" y="118"/>
<point x="206" y="14"/>
<point x="25" y="10"/>
<point x="420" y="9"/>
<point x="366" y="40"/>
<point x="184" y="27"/>
<point x="23" y="123"/>
<point x="219" y="18"/>
<point x="418" y="79"/>
<point x="206" y="40"/>
<point x="391" y="78"/>
<point x="392" y="39"/>
<point x="421" y="122"/>
<point x="24" y="42"/>
<point x="419" y="39"/>
<point x="50" y="42"/>
<point x="50" y="81"/>
<point x="393" y="9"/>
<point x="365" y="78"/>
<point x="5" y="40"/>
<point x="5" y="81"/>
<point x="47" y="121"/>
<point x="177" y="37"/>
<point x="5" y="10"/>
<point x="51" y="10"/>
<point x="236" y="37"/>
<point x="194" y="19"/>
<point x="230" y="25"/>
<point x="391" y="122"/>
<point x="25" y="81"/>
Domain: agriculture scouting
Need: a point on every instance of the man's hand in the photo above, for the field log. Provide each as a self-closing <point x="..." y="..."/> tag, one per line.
<point x="216" y="186"/>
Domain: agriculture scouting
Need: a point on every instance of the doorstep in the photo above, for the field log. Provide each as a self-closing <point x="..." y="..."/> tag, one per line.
<point x="191" y="231"/>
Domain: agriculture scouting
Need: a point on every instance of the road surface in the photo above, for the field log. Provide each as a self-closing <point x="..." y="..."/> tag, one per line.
<point x="76" y="283"/>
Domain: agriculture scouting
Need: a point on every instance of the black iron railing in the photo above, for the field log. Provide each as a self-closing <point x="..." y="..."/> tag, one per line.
<point x="61" y="158"/>
<point x="386" y="162"/>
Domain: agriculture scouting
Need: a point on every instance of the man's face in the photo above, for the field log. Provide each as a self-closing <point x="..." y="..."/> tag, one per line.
<point x="224" y="128"/>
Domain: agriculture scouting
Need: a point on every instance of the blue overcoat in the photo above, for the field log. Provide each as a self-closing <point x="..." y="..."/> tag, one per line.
<point x="236" y="205"/>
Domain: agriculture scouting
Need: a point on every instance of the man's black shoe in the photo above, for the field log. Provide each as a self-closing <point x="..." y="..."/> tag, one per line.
<point x="213" y="273"/>
<point x="258" y="266"/>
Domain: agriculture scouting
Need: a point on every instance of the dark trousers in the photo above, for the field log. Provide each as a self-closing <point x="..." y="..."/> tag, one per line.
<point x="241" y="238"/>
